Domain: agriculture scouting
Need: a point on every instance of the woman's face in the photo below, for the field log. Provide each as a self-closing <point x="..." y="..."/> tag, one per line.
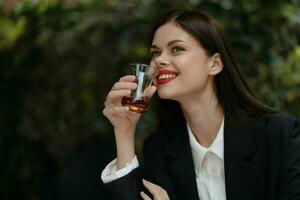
<point x="182" y="63"/>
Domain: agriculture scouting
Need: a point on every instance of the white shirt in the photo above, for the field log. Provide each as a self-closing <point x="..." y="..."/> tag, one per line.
<point x="209" y="167"/>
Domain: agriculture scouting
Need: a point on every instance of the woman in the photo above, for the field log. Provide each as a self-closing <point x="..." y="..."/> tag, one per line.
<point x="215" y="141"/>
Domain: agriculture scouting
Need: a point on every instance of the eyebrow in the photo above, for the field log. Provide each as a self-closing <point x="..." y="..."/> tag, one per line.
<point x="169" y="44"/>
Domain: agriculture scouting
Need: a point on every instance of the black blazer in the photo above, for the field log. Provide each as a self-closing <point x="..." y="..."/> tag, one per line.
<point x="262" y="162"/>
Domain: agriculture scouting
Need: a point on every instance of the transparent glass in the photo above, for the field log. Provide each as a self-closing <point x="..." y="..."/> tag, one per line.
<point x="138" y="101"/>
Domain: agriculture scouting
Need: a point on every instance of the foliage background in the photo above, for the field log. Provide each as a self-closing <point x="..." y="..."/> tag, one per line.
<point x="59" y="58"/>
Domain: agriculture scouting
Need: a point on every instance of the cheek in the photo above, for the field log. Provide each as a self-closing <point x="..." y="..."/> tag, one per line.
<point x="194" y="78"/>
<point x="195" y="72"/>
<point x="192" y="62"/>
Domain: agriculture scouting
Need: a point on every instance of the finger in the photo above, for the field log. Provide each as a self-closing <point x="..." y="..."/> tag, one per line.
<point x="129" y="78"/>
<point x="145" y="196"/>
<point x="153" y="189"/>
<point x="157" y="191"/>
<point x="115" y="95"/>
<point x="124" y="85"/>
<point x="165" y="195"/>
<point x="115" y="110"/>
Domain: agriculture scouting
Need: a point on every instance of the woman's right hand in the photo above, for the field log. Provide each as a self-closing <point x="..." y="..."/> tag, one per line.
<point x="123" y="120"/>
<point x="120" y="116"/>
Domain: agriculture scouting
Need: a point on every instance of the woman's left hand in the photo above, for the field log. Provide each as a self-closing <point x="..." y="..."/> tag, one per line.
<point x="157" y="192"/>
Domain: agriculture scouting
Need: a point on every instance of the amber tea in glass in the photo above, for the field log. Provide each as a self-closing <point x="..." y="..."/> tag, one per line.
<point x="138" y="105"/>
<point x="138" y="101"/>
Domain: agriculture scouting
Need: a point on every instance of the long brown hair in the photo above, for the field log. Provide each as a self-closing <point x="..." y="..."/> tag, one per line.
<point x="233" y="91"/>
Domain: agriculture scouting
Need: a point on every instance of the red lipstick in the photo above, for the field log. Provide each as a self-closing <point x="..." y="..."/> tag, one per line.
<point x="166" y="76"/>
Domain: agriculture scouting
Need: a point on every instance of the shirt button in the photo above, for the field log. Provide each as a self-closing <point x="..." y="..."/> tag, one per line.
<point x="214" y="170"/>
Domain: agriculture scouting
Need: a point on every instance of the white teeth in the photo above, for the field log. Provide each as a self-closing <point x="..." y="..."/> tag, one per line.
<point x="163" y="76"/>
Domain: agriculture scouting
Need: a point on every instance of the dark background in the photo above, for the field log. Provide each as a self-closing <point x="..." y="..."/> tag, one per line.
<point x="59" y="58"/>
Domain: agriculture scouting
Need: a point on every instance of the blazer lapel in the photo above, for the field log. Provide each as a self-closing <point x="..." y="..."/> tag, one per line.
<point x="180" y="163"/>
<point x="240" y="175"/>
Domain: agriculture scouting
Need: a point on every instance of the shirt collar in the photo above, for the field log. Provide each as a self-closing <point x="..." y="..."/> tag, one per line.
<point x="199" y="152"/>
<point x="218" y="144"/>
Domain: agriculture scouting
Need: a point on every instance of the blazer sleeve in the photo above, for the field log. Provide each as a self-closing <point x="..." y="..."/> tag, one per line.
<point x="129" y="186"/>
<point x="289" y="184"/>
<point x="126" y="187"/>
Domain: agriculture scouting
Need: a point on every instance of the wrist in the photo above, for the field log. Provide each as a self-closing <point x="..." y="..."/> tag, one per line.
<point x="125" y="146"/>
<point x="126" y="134"/>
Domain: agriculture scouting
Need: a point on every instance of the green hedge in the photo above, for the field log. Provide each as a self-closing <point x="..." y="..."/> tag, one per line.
<point x="58" y="59"/>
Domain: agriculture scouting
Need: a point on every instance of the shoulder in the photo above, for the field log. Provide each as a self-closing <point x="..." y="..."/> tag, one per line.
<point x="281" y="121"/>
<point x="282" y="128"/>
<point x="281" y="118"/>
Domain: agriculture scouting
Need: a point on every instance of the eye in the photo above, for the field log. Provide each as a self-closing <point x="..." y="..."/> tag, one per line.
<point x="176" y="49"/>
<point x="154" y="54"/>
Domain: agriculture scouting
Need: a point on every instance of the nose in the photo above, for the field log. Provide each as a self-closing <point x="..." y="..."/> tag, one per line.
<point x="162" y="61"/>
<point x="157" y="63"/>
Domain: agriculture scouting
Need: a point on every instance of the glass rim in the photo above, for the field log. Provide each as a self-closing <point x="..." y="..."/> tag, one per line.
<point x="142" y="64"/>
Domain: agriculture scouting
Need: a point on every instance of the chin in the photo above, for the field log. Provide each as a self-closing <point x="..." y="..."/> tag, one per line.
<point x="165" y="95"/>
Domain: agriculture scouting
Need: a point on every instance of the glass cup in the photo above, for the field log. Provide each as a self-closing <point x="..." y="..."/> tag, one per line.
<point x="138" y="101"/>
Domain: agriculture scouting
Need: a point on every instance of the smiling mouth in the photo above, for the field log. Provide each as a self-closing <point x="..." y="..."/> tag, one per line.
<point x="165" y="77"/>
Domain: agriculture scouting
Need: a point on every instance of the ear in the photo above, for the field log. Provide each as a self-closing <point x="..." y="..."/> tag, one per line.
<point x="215" y="64"/>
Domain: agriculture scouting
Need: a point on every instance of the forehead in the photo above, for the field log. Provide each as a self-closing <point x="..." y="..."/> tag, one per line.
<point x="171" y="31"/>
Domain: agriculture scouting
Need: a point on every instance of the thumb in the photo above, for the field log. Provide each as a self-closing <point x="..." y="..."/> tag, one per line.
<point x="152" y="90"/>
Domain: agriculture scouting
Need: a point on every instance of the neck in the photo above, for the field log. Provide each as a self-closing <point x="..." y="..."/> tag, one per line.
<point x="204" y="115"/>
